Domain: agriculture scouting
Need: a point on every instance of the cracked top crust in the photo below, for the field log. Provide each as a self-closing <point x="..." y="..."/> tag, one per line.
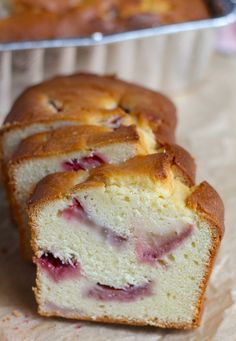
<point x="72" y="138"/>
<point x="94" y="100"/>
<point x="149" y="169"/>
<point x="84" y="93"/>
<point x="159" y="167"/>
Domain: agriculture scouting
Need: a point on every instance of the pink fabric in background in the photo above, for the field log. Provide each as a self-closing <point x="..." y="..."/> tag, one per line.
<point x="226" y="42"/>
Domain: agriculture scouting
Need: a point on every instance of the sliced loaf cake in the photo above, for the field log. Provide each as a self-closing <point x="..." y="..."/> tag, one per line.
<point x="71" y="148"/>
<point x="131" y="243"/>
<point x="82" y="99"/>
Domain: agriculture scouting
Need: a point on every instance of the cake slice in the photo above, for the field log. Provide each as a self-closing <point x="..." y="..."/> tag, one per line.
<point x="87" y="99"/>
<point x="131" y="243"/>
<point x="71" y="148"/>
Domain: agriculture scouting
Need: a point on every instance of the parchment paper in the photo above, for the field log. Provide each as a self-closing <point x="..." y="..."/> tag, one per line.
<point x="207" y="127"/>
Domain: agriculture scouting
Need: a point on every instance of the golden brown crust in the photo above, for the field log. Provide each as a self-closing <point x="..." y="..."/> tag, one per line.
<point x="71" y="139"/>
<point x="216" y="238"/>
<point x="208" y="204"/>
<point x="206" y="200"/>
<point x="107" y="319"/>
<point x="96" y="100"/>
<point x="185" y="166"/>
<point x="41" y="19"/>
<point x="82" y="93"/>
<point x="155" y="166"/>
<point x="55" y="186"/>
<point x="85" y="116"/>
<point x="203" y="199"/>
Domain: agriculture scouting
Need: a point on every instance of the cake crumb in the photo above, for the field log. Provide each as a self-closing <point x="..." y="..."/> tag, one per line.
<point x="17" y="313"/>
<point x="6" y="318"/>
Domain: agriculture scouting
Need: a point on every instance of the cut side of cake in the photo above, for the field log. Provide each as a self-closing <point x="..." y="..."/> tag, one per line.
<point x="132" y="243"/>
<point x="13" y="134"/>
<point x="64" y="149"/>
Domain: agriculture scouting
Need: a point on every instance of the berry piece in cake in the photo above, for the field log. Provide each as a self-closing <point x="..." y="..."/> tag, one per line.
<point x="128" y="294"/>
<point x="152" y="248"/>
<point x="76" y="213"/>
<point x="115" y="122"/>
<point x="86" y="162"/>
<point x="57" y="269"/>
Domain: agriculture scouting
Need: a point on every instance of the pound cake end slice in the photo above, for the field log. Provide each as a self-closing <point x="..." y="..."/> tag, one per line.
<point x="131" y="243"/>
<point x="86" y="99"/>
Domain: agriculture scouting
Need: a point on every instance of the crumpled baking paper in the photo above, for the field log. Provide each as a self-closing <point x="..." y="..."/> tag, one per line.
<point x="207" y="127"/>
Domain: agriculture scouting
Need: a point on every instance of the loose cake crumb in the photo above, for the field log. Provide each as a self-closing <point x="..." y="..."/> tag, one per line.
<point x="17" y="313"/>
<point x="6" y="318"/>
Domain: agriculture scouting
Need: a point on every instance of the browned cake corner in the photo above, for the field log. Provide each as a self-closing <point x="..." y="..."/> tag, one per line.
<point x="206" y="200"/>
<point x="185" y="165"/>
<point x="55" y="186"/>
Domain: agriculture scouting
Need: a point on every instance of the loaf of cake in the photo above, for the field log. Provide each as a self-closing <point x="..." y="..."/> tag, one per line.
<point x="132" y="243"/>
<point x="47" y="19"/>
<point x="119" y="231"/>
<point x="70" y="148"/>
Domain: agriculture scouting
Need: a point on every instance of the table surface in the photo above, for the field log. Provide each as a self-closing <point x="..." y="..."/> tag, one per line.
<point x="207" y="127"/>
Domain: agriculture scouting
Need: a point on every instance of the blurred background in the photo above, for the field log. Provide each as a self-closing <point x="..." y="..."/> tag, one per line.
<point x="196" y="67"/>
<point x="174" y="58"/>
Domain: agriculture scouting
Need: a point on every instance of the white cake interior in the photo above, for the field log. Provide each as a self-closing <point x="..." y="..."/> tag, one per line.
<point x="28" y="173"/>
<point x="139" y="213"/>
<point x="12" y="138"/>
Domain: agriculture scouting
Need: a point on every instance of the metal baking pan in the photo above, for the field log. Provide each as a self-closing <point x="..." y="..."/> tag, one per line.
<point x="225" y="13"/>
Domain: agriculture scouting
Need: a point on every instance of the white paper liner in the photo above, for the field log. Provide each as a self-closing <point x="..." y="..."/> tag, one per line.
<point x="207" y="127"/>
